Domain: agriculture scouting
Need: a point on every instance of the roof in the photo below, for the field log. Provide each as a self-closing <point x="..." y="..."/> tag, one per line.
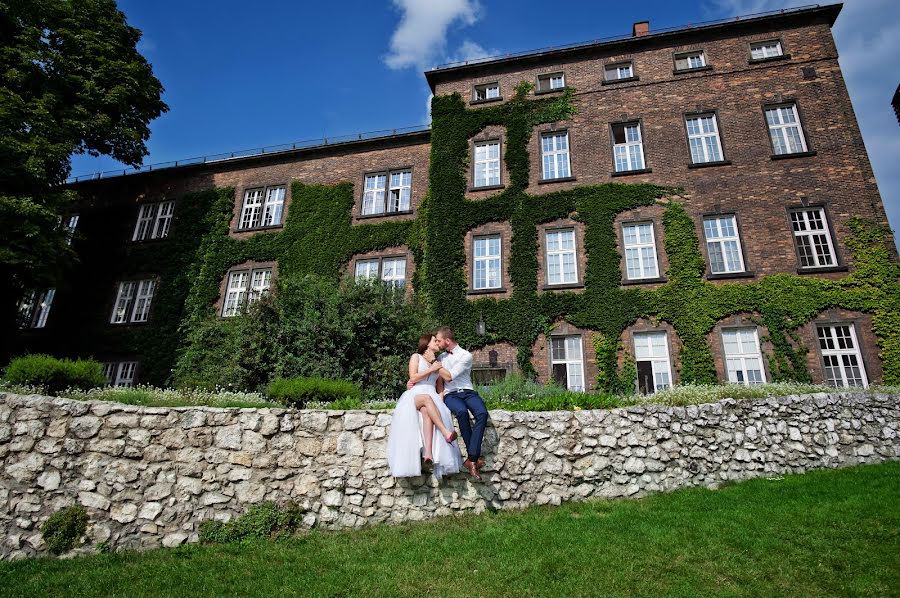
<point x="631" y="43"/>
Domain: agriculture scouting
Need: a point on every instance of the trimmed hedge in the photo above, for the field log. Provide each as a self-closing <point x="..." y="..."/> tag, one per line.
<point x="297" y="392"/>
<point x="54" y="374"/>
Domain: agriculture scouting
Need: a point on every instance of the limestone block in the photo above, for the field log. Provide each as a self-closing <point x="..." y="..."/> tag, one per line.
<point x="49" y="479"/>
<point x="150" y="511"/>
<point x="94" y="500"/>
<point x="174" y="539"/>
<point x="229" y="437"/>
<point x="85" y="426"/>
<point x="124" y="513"/>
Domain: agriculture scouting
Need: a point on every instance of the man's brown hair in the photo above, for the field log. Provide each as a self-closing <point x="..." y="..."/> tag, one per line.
<point x="446" y="332"/>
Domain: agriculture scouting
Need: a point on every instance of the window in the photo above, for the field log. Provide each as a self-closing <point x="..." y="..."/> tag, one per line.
<point x="487" y="164"/>
<point x="723" y="245"/>
<point x="567" y="365"/>
<point x="562" y="267"/>
<point x="486" y="263"/>
<point x="703" y="138"/>
<point x="154" y="220"/>
<point x="69" y="225"/>
<point x="551" y="82"/>
<point x="245" y="287"/>
<point x="785" y="130"/>
<point x="614" y="72"/>
<point x="640" y="251"/>
<point x="841" y="357"/>
<point x="133" y="301"/>
<point x="743" y="359"/>
<point x="34" y="308"/>
<point x="263" y="206"/>
<point x="762" y="50"/>
<point x="651" y="352"/>
<point x="120" y="373"/>
<point x="399" y="188"/>
<point x="488" y="91"/>
<point x="690" y="60"/>
<point x="813" y="239"/>
<point x="390" y="270"/>
<point x="555" y="155"/>
<point x="628" y="147"/>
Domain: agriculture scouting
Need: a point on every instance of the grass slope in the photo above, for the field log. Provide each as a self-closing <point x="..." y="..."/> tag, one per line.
<point x="832" y="532"/>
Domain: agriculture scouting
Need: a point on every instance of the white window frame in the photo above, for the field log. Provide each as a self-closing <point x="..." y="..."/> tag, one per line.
<point x="720" y="241"/>
<point x="486" y="165"/>
<point x="556" y="157"/>
<point x="262" y="207"/>
<point x="660" y="364"/>
<point x="703" y="137"/>
<point x="245" y="286"/>
<point x="120" y="373"/>
<point x="558" y="256"/>
<point x="619" y="71"/>
<point x="489" y="263"/>
<point x="385" y="275"/>
<point x="840" y="354"/>
<point x="802" y="226"/>
<point x="695" y="59"/>
<point x="34" y="308"/>
<point x="69" y="226"/>
<point x="768" y="49"/>
<point x="574" y="363"/>
<point x="551" y="81"/>
<point x="629" y="149"/>
<point x="748" y="350"/>
<point x="637" y="249"/>
<point x="785" y="130"/>
<point x="154" y="221"/>
<point x="382" y="195"/>
<point x="486" y="91"/>
<point x="133" y="300"/>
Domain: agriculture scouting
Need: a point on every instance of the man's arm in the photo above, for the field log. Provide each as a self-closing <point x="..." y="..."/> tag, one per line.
<point x="456" y="369"/>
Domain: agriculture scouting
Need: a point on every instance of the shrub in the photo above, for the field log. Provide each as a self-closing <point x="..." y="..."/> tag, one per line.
<point x="63" y="528"/>
<point x="53" y="374"/>
<point x="297" y="392"/>
<point x="266" y="520"/>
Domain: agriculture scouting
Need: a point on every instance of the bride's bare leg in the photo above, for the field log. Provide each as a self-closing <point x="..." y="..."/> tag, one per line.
<point x="427" y="433"/>
<point x="426" y="405"/>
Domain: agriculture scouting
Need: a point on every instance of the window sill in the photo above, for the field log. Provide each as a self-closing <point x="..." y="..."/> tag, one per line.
<point x="485" y="101"/>
<point x="384" y="215"/>
<point x="488" y="188"/>
<point x="769" y="59"/>
<point x="710" y="164"/>
<point x="645" y="281"/>
<point x="486" y="291"/>
<point x="822" y="269"/>
<point x="631" y="172"/>
<point x="128" y="324"/>
<point x="254" y="229"/>
<point x="727" y="275"/>
<point x="563" y="287"/>
<point x="794" y="155"/>
<point x="540" y="92"/>
<point x="564" y="179"/>
<point x="148" y="241"/>
<point x="699" y="69"/>
<point x="617" y="81"/>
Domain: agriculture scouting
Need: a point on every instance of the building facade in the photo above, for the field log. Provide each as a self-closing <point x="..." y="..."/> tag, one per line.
<point x="573" y="194"/>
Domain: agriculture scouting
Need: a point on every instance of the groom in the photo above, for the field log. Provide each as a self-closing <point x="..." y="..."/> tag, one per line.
<point x="460" y="397"/>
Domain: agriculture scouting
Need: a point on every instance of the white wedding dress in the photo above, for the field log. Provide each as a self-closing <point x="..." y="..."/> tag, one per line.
<point x="404" y="445"/>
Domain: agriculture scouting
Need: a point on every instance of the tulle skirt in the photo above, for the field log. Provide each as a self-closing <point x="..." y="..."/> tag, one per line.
<point x="405" y="443"/>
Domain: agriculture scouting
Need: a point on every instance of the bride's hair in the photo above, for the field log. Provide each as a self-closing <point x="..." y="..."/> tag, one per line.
<point x="423" y="343"/>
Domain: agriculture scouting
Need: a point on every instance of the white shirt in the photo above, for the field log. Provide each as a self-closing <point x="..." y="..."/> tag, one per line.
<point x="459" y="364"/>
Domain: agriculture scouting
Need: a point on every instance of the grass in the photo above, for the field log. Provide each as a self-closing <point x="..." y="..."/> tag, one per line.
<point x="824" y="533"/>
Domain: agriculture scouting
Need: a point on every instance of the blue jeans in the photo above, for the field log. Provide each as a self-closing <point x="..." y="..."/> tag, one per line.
<point x="460" y="403"/>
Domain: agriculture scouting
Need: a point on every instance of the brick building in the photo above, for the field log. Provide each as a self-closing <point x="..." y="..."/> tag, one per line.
<point x="749" y="117"/>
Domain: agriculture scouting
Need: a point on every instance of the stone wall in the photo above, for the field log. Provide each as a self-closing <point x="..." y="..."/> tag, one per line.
<point x="149" y="476"/>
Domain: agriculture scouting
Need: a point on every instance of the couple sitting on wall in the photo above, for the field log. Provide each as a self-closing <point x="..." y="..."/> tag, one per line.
<point x="440" y="383"/>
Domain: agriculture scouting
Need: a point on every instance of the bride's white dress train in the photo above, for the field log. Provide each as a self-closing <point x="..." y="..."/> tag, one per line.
<point x="404" y="445"/>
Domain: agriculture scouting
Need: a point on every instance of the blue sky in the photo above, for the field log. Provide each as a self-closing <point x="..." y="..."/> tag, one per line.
<point x="242" y="75"/>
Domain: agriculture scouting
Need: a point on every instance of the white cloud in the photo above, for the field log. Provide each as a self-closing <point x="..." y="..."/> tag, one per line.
<point x="469" y="51"/>
<point x="867" y="35"/>
<point x="421" y="36"/>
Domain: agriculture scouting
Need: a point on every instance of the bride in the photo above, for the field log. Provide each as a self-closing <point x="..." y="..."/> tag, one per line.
<point x="419" y="410"/>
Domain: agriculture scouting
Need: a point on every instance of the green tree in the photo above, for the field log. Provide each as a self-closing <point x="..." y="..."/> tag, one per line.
<point x="71" y="82"/>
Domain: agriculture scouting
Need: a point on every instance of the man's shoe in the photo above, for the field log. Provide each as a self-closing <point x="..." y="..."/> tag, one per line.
<point x="480" y="463"/>
<point x="473" y="469"/>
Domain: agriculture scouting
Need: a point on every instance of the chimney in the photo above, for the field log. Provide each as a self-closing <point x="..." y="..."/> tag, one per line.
<point x="640" y="29"/>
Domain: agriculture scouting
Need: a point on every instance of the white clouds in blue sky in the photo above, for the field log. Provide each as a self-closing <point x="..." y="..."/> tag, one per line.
<point x="420" y="39"/>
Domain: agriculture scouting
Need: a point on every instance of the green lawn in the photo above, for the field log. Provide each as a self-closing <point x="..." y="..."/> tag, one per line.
<point x="824" y="533"/>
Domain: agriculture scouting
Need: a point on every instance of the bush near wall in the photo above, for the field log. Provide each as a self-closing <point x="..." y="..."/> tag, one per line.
<point x="53" y="374"/>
